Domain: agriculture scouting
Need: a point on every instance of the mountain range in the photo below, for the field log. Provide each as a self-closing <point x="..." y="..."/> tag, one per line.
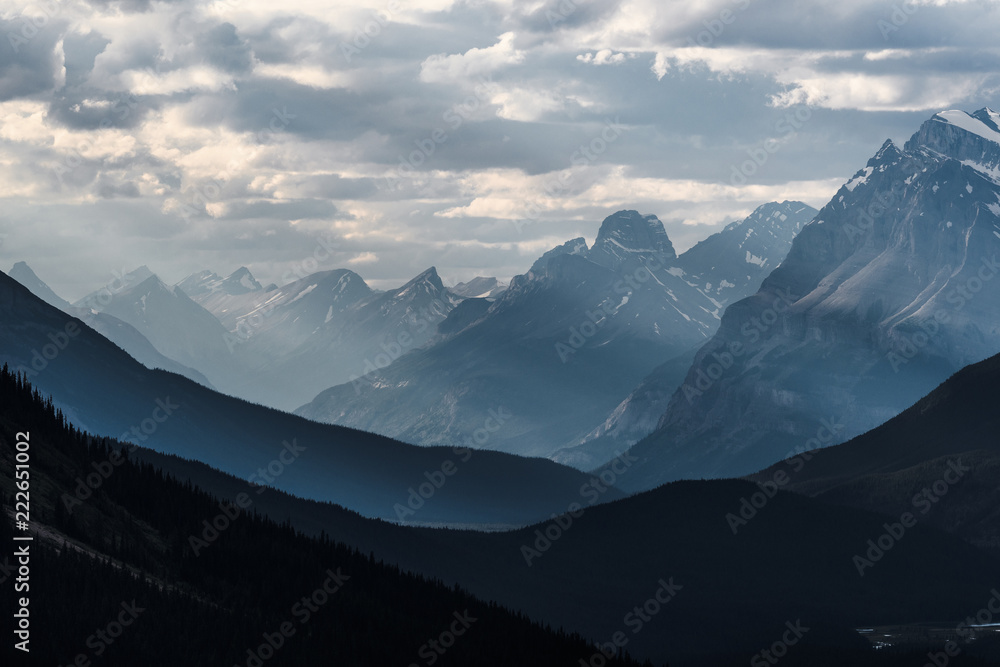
<point x="569" y="339"/>
<point x="584" y="320"/>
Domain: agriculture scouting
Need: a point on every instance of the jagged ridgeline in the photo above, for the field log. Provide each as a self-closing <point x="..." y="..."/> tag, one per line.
<point x="115" y="578"/>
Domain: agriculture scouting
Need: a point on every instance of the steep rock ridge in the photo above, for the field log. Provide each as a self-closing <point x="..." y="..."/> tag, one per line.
<point x="479" y="287"/>
<point x="726" y="267"/>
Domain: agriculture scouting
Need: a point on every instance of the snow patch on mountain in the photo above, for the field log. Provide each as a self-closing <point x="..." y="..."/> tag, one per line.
<point x="969" y="123"/>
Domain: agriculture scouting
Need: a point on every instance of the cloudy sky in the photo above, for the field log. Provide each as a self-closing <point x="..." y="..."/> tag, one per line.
<point x="469" y="135"/>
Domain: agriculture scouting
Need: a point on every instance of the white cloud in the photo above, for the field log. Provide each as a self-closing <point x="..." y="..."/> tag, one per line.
<point x="475" y="62"/>
<point x="605" y="57"/>
<point x="513" y="195"/>
<point x="877" y="92"/>
<point x="315" y="76"/>
<point x="363" y="258"/>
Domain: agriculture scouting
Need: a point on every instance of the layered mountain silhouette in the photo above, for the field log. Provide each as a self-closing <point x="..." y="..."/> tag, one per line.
<point x="100" y="388"/>
<point x="151" y="553"/>
<point x="122" y="334"/>
<point x="717" y="596"/>
<point x="176" y="326"/>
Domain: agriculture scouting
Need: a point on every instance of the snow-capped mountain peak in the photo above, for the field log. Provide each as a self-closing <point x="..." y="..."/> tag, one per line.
<point x="878" y="310"/>
<point x="973" y="139"/>
<point x="989" y="117"/>
<point x="480" y="287"/>
<point x="981" y="123"/>
<point x="240" y="281"/>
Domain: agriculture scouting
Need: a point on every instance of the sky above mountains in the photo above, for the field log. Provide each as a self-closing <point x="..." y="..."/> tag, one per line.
<point x="473" y="136"/>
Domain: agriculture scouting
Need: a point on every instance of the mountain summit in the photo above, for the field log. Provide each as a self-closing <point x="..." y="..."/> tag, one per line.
<point x="240" y="281"/>
<point x="973" y="139"/>
<point x="23" y="274"/>
<point x="626" y="235"/>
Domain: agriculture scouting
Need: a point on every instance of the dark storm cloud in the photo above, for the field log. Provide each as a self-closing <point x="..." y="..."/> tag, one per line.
<point x="92" y="109"/>
<point x="29" y="61"/>
<point x="265" y="106"/>
<point x="270" y="46"/>
<point x="222" y="47"/>
<point x="81" y="51"/>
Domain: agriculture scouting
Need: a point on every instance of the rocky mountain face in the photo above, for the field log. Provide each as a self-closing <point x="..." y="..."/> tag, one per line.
<point x="559" y="348"/>
<point x="731" y="264"/>
<point x="479" y="288"/>
<point x="727" y="266"/>
<point x="239" y="282"/>
<point x="887" y="292"/>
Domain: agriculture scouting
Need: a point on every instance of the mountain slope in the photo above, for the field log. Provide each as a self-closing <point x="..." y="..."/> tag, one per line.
<point x="107" y="392"/>
<point x="731" y="264"/>
<point x="240" y="281"/>
<point x="884" y="295"/>
<point x="632" y="420"/>
<point x="290" y="343"/>
<point x="890" y="466"/>
<point x="129" y="339"/>
<point x="333" y="329"/>
<point x="176" y="326"/>
<point x="23" y="274"/>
